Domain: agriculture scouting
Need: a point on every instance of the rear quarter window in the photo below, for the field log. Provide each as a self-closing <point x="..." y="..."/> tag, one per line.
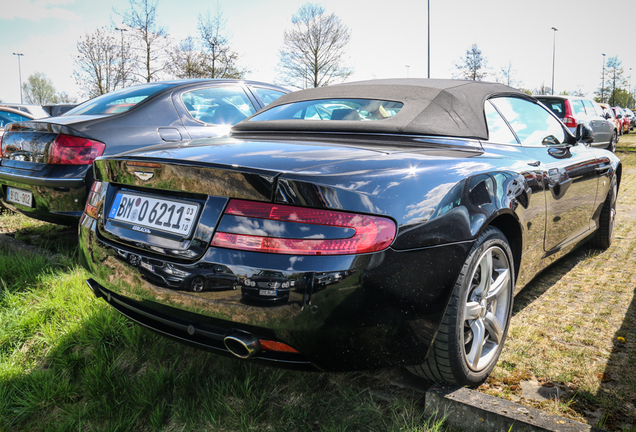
<point x="118" y="101"/>
<point x="557" y="106"/>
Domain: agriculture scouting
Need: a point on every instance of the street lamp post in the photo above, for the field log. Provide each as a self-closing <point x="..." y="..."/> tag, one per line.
<point x="19" y="73"/>
<point x="629" y="91"/>
<point x="123" y="75"/>
<point x="553" y="55"/>
<point x="407" y="70"/>
<point x="429" y="39"/>
<point x="603" y="82"/>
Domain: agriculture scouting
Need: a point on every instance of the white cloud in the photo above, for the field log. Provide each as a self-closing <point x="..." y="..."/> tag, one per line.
<point x="39" y="10"/>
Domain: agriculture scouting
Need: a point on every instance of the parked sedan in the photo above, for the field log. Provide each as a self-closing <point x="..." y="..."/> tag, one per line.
<point x="410" y="222"/>
<point x="10" y="115"/>
<point x="45" y="165"/>
<point x="573" y="111"/>
<point x="624" y="121"/>
<point x="632" y="118"/>
<point x="266" y="286"/>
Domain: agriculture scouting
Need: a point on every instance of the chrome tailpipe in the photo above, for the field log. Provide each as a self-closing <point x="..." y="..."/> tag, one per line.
<point x="243" y="345"/>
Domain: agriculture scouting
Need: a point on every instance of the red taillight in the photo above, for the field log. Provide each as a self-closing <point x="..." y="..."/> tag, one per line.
<point x="372" y="233"/>
<point x="73" y="150"/>
<point x="93" y="200"/>
<point x="569" y="119"/>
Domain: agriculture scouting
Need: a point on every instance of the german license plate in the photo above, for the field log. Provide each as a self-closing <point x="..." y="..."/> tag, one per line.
<point x="154" y="213"/>
<point x="147" y="266"/>
<point x="20" y="196"/>
<point x="267" y="292"/>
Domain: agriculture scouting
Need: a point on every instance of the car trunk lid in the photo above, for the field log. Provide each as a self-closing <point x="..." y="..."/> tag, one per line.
<point x="26" y="145"/>
<point x="184" y="190"/>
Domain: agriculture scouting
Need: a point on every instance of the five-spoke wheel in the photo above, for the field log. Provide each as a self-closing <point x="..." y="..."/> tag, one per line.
<point x="474" y="327"/>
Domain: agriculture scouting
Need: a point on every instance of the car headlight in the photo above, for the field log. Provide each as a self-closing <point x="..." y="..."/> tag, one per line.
<point x="174" y="271"/>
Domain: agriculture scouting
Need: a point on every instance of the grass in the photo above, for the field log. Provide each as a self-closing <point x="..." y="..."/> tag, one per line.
<point x="574" y="327"/>
<point x="68" y="362"/>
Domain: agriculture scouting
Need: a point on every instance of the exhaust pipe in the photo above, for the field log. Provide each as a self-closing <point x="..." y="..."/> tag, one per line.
<point x="242" y="345"/>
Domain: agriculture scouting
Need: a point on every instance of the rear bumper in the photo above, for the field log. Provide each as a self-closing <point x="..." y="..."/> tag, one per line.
<point x="42" y="181"/>
<point x="381" y="309"/>
<point x="57" y="200"/>
<point x="189" y="331"/>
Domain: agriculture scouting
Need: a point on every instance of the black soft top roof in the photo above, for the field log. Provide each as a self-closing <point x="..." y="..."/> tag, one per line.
<point x="431" y="107"/>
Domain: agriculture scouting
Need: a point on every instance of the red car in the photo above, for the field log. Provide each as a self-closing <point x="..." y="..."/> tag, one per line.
<point x="620" y="115"/>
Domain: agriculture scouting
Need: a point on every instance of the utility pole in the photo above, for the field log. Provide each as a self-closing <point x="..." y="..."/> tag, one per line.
<point x="407" y="70"/>
<point x="123" y="75"/>
<point x="603" y="82"/>
<point x="553" y="55"/>
<point x="19" y="74"/>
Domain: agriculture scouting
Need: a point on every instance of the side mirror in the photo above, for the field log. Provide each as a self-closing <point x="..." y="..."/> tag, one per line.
<point x="550" y="140"/>
<point x="584" y="134"/>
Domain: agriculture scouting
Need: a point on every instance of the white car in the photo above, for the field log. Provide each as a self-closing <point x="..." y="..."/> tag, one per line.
<point x="36" y="111"/>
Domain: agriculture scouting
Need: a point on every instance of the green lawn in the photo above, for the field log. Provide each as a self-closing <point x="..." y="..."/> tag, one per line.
<point x="68" y="362"/>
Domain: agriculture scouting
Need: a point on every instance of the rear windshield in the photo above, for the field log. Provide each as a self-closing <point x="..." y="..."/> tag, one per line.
<point x="118" y="101"/>
<point x="332" y="109"/>
<point x="557" y="106"/>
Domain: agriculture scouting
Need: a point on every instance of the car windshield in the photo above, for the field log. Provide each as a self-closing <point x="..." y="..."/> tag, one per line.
<point x="117" y="101"/>
<point x="332" y="109"/>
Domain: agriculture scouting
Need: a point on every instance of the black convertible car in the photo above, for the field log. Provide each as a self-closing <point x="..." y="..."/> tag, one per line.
<point x="410" y="211"/>
<point x="45" y="164"/>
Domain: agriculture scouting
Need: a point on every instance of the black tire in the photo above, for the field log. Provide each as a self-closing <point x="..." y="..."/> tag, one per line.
<point x="197" y="284"/>
<point x="454" y="358"/>
<point x="605" y="234"/>
<point x="612" y="144"/>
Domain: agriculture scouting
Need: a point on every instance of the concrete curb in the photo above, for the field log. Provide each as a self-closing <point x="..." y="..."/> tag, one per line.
<point x="471" y="410"/>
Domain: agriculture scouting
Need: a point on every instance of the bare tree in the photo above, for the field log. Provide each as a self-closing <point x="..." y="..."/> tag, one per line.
<point x="542" y="90"/>
<point x="97" y="69"/>
<point x="220" y="59"/>
<point x="39" y="90"/>
<point x="314" y="49"/>
<point x="473" y="66"/>
<point x="615" y="80"/>
<point x="612" y="80"/>
<point x="64" y="97"/>
<point x="186" y="61"/>
<point x="507" y="76"/>
<point x="150" y="39"/>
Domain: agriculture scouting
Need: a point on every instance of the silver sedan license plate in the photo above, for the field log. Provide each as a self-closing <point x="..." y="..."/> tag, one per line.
<point x="159" y="213"/>
<point x="20" y="196"/>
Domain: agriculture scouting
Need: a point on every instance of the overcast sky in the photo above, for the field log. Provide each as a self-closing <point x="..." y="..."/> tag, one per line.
<point x="386" y="36"/>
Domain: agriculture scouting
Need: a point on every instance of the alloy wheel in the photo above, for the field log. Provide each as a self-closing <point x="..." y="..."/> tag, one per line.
<point x="486" y="308"/>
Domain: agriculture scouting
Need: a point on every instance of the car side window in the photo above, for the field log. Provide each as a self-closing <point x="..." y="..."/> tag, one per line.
<point x="533" y="124"/>
<point x="589" y="108"/>
<point x="267" y="95"/>
<point x="225" y="105"/>
<point x="598" y="108"/>
<point x="577" y="106"/>
<point x="498" y="130"/>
